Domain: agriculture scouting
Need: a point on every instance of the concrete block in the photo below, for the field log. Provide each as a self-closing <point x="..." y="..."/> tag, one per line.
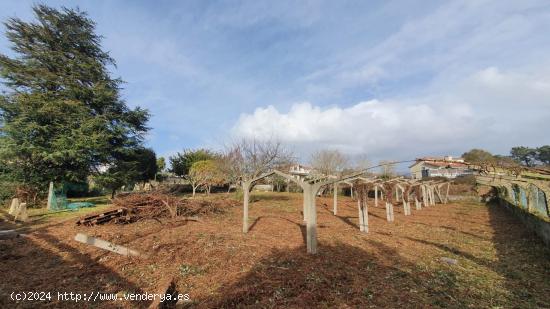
<point x="102" y="244"/>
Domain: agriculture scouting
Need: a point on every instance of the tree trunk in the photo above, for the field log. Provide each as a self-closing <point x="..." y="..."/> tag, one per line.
<point x="194" y="189"/>
<point x="113" y="194"/>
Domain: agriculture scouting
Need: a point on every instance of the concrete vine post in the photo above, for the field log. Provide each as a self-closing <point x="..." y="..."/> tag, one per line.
<point x="424" y="197"/>
<point x="406" y="199"/>
<point x="438" y="192"/>
<point x="406" y="210"/>
<point x="389" y="202"/>
<point x="306" y="204"/>
<point x="363" y="208"/>
<point x="428" y="196"/>
<point x="359" y="209"/>
<point x="366" y="212"/>
<point x="389" y="212"/>
<point x="246" y="192"/>
<point x="311" y="225"/>
<point x="417" y="193"/>
<point x="14" y="206"/>
<point x="50" y="196"/>
<point x="335" y="200"/>
<point x="375" y="195"/>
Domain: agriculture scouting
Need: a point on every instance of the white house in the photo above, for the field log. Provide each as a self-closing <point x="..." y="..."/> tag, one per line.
<point x="447" y="167"/>
<point x="299" y="171"/>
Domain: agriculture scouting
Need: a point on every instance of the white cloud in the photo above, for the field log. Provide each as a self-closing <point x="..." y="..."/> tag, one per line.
<point x="535" y="87"/>
<point x="373" y="127"/>
<point x="490" y="108"/>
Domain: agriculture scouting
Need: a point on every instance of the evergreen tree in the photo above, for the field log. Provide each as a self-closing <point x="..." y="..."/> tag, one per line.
<point x="543" y="154"/>
<point x="478" y="156"/>
<point x="62" y="116"/>
<point x="524" y="155"/>
<point x="131" y="166"/>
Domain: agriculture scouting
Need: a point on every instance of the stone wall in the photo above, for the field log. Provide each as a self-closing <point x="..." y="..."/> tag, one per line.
<point x="527" y="198"/>
<point x="536" y="224"/>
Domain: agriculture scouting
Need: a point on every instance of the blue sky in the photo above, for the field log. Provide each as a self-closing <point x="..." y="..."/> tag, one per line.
<point x="387" y="79"/>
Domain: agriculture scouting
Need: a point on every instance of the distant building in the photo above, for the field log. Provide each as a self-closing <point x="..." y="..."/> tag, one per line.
<point x="299" y="171"/>
<point x="447" y="167"/>
<point x="263" y="187"/>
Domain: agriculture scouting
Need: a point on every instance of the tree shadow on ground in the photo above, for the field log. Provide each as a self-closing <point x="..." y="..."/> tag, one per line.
<point x="453" y="250"/>
<point x="523" y="259"/>
<point x="268" y="197"/>
<point x="98" y="200"/>
<point x="302" y="227"/>
<point x="7" y="222"/>
<point x="30" y="264"/>
<point x="339" y="276"/>
<point x="347" y="220"/>
<point x="450" y="228"/>
<point x="377" y="216"/>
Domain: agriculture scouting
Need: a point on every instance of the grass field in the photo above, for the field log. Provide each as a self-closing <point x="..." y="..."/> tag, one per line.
<point x="498" y="263"/>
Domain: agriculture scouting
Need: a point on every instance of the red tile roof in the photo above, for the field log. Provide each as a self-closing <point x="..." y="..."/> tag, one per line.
<point x="446" y="164"/>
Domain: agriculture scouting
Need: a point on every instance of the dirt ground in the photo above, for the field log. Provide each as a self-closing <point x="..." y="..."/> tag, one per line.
<point x="499" y="263"/>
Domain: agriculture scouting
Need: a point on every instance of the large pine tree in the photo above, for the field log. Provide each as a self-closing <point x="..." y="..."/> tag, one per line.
<point x="62" y="116"/>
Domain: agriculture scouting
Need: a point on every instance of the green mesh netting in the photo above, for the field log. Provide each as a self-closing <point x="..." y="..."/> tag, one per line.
<point x="57" y="199"/>
<point x="78" y="205"/>
<point x="58" y="196"/>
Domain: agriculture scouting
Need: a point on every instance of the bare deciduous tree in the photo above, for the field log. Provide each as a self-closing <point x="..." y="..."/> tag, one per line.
<point x="387" y="169"/>
<point x="279" y="182"/>
<point x="361" y="162"/>
<point x="228" y="167"/>
<point x="249" y="159"/>
<point x="329" y="162"/>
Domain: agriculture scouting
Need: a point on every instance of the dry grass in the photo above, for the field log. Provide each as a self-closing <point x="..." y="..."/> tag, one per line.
<point x="500" y="264"/>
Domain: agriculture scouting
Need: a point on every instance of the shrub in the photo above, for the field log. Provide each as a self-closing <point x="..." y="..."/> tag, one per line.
<point x="7" y="191"/>
<point x="465" y="180"/>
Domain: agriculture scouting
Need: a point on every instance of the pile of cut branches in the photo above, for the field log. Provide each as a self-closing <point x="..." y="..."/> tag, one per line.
<point x="149" y="205"/>
<point x="156" y="205"/>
